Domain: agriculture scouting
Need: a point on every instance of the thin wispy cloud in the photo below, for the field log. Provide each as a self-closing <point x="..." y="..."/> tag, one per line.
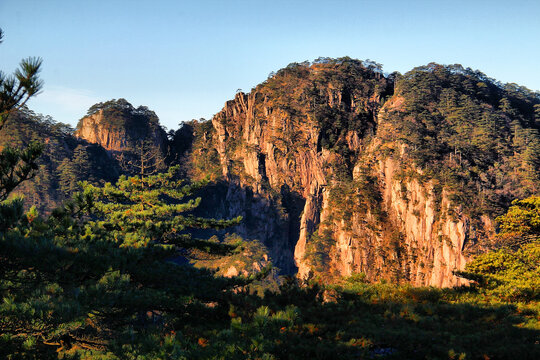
<point x="63" y="103"/>
<point x="67" y="98"/>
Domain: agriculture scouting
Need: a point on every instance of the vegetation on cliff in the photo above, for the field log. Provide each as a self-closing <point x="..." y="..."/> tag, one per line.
<point x="464" y="146"/>
<point x="132" y="135"/>
<point x="121" y="114"/>
<point x="479" y="139"/>
<point x="64" y="160"/>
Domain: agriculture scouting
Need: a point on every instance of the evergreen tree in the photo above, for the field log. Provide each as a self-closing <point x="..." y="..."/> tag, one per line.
<point x="513" y="271"/>
<point x="111" y="283"/>
<point x="521" y="224"/>
<point x="17" y="89"/>
<point x="75" y="169"/>
<point x="100" y="275"/>
<point x="17" y="165"/>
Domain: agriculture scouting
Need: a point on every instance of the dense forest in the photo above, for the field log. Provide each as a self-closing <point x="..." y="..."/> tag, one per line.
<point x="120" y="247"/>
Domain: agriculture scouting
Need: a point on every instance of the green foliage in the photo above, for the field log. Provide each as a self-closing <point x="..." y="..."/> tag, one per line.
<point x="249" y="257"/>
<point x="17" y="165"/>
<point x="73" y="170"/>
<point x="17" y="89"/>
<point x="64" y="159"/>
<point x="150" y="210"/>
<point x="522" y="219"/>
<point x="204" y="159"/>
<point x="99" y="275"/>
<point x="510" y="275"/>
<point x="513" y="272"/>
<point x="359" y="196"/>
<point x="474" y="136"/>
<point x="318" y="249"/>
<point x="361" y="320"/>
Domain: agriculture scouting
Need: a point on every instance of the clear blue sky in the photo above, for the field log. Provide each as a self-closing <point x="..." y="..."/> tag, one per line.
<point x="184" y="59"/>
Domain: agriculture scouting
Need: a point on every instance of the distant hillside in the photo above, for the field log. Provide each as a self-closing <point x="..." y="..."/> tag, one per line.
<point x="65" y="160"/>
<point x="113" y="139"/>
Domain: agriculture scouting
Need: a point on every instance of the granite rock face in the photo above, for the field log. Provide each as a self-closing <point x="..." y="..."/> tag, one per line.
<point x="117" y="126"/>
<point x="133" y="136"/>
<point x="321" y="196"/>
<point x="339" y="169"/>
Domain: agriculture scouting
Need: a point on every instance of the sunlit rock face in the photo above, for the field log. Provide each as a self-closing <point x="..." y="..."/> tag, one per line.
<point x="339" y="169"/>
<point x="132" y="136"/>
<point x="117" y="126"/>
<point x="303" y="149"/>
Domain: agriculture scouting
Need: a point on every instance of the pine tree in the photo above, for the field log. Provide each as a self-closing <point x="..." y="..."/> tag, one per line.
<point x="17" y="165"/>
<point x="74" y="170"/>
<point x="521" y="224"/>
<point x="103" y="273"/>
<point x="512" y="272"/>
<point x="146" y="158"/>
<point x="151" y="210"/>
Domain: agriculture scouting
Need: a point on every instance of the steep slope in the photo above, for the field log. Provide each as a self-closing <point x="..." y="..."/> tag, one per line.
<point x="336" y="168"/>
<point x="337" y="172"/>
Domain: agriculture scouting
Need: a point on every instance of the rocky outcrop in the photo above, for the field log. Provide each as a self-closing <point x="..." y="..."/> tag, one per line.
<point x="95" y="129"/>
<point x="117" y="126"/>
<point x="354" y="211"/>
<point x="131" y="135"/>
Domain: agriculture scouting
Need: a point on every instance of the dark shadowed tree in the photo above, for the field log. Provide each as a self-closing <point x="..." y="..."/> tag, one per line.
<point x="17" y="165"/>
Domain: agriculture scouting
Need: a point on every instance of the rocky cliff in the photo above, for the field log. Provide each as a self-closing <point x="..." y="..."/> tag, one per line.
<point x="339" y="169"/>
<point x="117" y="126"/>
<point x="132" y="135"/>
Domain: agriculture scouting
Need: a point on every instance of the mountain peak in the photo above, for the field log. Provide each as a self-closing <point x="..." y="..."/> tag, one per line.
<point x="118" y="126"/>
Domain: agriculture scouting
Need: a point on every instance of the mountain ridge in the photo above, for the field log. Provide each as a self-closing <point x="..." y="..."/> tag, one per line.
<point x="340" y="169"/>
<point x="328" y="134"/>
